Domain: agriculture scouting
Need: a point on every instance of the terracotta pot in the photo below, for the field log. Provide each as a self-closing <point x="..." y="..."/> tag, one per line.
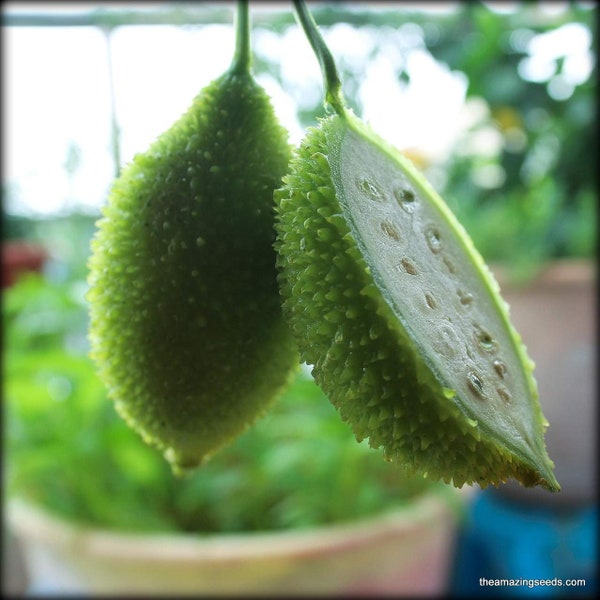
<point x="555" y="315"/>
<point x="407" y="551"/>
<point x="19" y="256"/>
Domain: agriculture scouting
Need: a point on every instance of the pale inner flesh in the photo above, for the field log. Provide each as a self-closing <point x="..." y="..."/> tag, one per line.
<point x="424" y="272"/>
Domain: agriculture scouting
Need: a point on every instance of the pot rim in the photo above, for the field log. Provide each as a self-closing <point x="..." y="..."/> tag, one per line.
<point x="31" y="522"/>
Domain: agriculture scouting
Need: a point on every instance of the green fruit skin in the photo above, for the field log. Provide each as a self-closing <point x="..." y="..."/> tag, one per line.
<point x="370" y="369"/>
<point x="186" y="326"/>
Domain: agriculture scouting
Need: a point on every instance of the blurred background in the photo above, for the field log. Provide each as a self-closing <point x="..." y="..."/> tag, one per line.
<point x="494" y="101"/>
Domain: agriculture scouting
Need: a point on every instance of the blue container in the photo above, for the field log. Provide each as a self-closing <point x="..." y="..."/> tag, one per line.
<point x="502" y="539"/>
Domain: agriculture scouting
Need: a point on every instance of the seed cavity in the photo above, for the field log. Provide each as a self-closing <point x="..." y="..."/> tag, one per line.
<point x="485" y="340"/>
<point x="449" y="265"/>
<point x="500" y="368"/>
<point x="465" y="298"/>
<point x="369" y="188"/>
<point x="408" y="266"/>
<point x="406" y="199"/>
<point x="505" y="395"/>
<point x="447" y="342"/>
<point x="475" y="383"/>
<point x="434" y="240"/>
<point x="430" y="301"/>
<point x="390" y="230"/>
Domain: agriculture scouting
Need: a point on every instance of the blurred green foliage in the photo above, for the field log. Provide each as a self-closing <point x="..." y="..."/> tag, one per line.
<point x="69" y="451"/>
<point x="544" y="206"/>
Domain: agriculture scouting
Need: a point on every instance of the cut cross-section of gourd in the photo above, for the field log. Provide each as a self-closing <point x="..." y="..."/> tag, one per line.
<point x="398" y="314"/>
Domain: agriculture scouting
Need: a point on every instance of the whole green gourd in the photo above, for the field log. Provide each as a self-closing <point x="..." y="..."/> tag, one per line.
<point x="185" y="316"/>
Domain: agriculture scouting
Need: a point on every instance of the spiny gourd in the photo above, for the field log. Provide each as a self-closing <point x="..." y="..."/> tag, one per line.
<point x="397" y="312"/>
<point x="185" y="315"/>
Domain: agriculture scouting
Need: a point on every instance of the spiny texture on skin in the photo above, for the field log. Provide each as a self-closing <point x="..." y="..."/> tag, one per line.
<point x="403" y="325"/>
<point x="186" y="325"/>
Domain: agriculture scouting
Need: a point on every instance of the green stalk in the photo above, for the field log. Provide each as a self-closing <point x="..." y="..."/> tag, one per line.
<point x="331" y="78"/>
<point x="242" y="58"/>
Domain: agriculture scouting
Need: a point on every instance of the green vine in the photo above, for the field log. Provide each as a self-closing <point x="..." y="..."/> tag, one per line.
<point x="331" y="78"/>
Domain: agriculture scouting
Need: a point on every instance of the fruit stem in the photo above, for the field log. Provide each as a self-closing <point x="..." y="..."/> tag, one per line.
<point x="331" y="79"/>
<point x="242" y="57"/>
